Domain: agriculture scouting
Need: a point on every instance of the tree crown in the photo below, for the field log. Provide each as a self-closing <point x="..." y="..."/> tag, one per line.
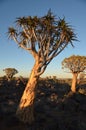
<point x="75" y="63"/>
<point x="10" y="71"/>
<point x="44" y="37"/>
<point x="42" y="33"/>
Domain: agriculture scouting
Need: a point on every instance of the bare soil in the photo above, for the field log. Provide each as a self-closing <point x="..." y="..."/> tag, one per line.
<point x="56" y="107"/>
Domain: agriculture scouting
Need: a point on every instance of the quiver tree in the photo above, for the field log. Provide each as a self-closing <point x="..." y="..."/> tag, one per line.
<point x="10" y="72"/>
<point x="81" y="77"/>
<point x="76" y="65"/>
<point x="43" y="37"/>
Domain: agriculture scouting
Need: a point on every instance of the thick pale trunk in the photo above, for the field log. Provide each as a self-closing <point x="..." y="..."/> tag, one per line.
<point x="74" y="82"/>
<point x="25" y="111"/>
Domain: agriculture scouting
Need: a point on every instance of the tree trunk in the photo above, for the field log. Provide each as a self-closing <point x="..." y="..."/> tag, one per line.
<point x="74" y="82"/>
<point x="25" y="111"/>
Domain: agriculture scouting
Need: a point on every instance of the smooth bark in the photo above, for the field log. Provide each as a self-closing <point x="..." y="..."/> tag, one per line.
<point x="74" y="82"/>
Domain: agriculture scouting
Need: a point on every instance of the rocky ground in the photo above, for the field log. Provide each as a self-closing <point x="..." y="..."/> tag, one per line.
<point x="56" y="108"/>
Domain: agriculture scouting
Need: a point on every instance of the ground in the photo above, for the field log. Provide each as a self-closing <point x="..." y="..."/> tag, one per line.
<point x="56" y="107"/>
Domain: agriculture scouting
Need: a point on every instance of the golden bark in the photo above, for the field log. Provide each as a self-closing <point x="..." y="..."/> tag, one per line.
<point x="25" y="111"/>
<point x="74" y="82"/>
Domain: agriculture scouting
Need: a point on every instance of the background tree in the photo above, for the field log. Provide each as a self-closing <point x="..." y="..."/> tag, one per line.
<point x="76" y="65"/>
<point x="43" y="37"/>
<point x="81" y="77"/>
<point x="10" y="72"/>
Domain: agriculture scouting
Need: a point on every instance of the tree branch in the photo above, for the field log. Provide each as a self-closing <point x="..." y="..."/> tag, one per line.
<point x="42" y="70"/>
<point x="20" y="44"/>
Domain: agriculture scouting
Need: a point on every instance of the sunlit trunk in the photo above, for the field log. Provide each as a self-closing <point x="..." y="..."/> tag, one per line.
<point x="25" y="111"/>
<point x="74" y="82"/>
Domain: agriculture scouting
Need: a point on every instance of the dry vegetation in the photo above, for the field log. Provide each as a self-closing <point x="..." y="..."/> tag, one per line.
<point x="56" y="108"/>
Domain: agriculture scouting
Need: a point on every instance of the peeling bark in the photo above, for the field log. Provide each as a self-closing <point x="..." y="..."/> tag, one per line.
<point x="25" y="111"/>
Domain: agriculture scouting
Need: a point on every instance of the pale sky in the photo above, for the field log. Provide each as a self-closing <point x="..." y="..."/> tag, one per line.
<point x="13" y="57"/>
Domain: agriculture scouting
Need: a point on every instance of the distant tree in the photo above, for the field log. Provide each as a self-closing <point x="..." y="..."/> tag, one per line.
<point x="76" y="65"/>
<point x="81" y="77"/>
<point x="10" y="72"/>
<point x="54" y="78"/>
<point x="43" y="37"/>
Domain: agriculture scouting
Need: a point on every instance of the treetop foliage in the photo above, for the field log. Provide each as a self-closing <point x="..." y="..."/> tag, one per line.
<point x="75" y="64"/>
<point x="10" y="72"/>
<point x="44" y="37"/>
<point x="47" y="33"/>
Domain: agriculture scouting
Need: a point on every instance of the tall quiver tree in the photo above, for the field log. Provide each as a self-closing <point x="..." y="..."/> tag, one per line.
<point x="43" y="37"/>
<point x="76" y="65"/>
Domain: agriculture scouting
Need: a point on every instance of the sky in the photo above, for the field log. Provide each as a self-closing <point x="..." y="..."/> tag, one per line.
<point x="11" y="56"/>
